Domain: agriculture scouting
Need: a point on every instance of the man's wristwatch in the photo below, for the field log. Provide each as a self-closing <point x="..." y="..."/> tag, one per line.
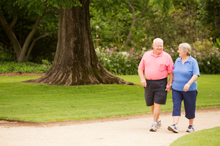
<point x="170" y="84"/>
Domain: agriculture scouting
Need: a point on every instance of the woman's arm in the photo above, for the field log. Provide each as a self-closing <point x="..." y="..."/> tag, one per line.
<point x="187" y="85"/>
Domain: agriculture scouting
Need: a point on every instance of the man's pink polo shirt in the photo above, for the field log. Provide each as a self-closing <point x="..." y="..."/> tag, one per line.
<point x="156" y="67"/>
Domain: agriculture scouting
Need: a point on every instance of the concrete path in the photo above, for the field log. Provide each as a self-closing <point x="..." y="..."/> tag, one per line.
<point x="126" y="131"/>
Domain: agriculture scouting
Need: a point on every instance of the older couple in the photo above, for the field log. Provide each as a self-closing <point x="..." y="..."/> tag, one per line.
<point x="153" y="71"/>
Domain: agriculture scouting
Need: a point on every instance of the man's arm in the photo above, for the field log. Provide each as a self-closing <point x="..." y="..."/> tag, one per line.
<point x="169" y="83"/>
<point x="141" y="75"/>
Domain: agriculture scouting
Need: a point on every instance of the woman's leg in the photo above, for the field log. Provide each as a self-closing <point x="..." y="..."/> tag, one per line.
<point x="177" y="100"/>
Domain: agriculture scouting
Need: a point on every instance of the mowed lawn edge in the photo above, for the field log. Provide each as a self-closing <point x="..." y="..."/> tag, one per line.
<point x="206" y="137"/>
<point x="44" y="103"/>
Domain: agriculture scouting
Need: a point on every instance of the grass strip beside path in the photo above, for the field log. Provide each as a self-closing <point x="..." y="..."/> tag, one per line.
<point x="207" y="137"/>
<point x="43" y="103"/>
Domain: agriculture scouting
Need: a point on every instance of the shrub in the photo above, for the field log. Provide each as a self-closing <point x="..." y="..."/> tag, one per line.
<point x="120" y="63"/>
<point x="126" y="63"/>
<point x="202" y="46"/>
<point x="209" y="61"/>
<point x="28" y="67"/>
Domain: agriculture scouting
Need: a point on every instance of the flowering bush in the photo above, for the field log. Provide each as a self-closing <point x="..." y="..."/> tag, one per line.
<point x="120" y="63"/>
<point x="209" y="61"/>
<point x="126" y="63"/>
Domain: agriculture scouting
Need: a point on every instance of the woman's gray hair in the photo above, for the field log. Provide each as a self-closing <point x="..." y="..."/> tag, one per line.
<point x="186" y="48"/>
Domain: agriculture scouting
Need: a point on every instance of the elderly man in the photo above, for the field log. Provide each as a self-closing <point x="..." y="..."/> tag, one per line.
<point x="156" y="65"/>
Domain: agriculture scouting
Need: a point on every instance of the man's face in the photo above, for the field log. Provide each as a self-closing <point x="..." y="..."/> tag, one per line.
<point x="158" y="47"/>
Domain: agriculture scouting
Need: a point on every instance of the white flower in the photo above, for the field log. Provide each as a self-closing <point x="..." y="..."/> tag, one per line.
<point x="208" y="62"/>
<point x="97" y="27"/>
<point x="97" y="49"/>
<point x="144" y="48"/>
<point x="124" y="53"/>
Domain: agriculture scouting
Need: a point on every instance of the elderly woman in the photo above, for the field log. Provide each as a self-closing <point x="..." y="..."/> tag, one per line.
<point x="184" y="87"/>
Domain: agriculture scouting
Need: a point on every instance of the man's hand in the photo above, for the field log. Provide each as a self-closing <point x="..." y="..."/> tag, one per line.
<point x="143" y="83"/>
<point x="168" y="88"/>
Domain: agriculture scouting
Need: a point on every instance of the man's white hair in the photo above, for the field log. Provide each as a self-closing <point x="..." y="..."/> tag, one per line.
<point x="157" y="40"/>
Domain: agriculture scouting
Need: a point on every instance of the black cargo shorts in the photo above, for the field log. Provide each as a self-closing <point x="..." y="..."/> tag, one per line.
<point x="155" y="92"/>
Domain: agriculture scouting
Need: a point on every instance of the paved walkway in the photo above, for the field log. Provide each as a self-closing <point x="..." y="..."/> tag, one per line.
<point x="126" y="131"/>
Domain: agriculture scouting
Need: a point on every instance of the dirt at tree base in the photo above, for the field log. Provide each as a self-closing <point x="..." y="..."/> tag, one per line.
<point x="22" y="74"/>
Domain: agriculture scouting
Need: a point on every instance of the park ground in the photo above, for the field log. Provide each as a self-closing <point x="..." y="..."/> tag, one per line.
<point x="121" y="131"/>
<point x="118" y="131"/>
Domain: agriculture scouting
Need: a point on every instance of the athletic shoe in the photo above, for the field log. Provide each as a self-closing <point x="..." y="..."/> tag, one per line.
<point x="153" y="127"/>
<point x="190" y="129"/>
<point x="173" y="128"/>
<point x="158" y="123"/>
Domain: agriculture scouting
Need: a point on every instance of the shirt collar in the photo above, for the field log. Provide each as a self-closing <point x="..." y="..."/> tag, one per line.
<point x="189" y="60"/>
<point x="152" y="54"/>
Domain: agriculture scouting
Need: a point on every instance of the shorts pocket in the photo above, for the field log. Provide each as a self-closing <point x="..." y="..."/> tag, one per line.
<point x="162" y="67"/>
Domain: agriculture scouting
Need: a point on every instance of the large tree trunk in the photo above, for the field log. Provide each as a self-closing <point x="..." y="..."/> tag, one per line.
<point x="76" y="62"/>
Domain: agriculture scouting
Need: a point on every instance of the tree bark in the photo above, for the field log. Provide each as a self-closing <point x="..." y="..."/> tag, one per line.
<point x="75" y="61"/>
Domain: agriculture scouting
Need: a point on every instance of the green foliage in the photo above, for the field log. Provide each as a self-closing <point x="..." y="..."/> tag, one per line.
<point x="207" y="137"/>
<point x="209" y="15"/>
<point x="217" y="43"/>
<point x="27" y="67"/>
<point x="126" y="63"/>
<point x="40" y="6"/>
<point x="202" y="46"/>
<point x="119" y="63"/>
<point x="44" y="103"/>
<point x="208" y="60"/>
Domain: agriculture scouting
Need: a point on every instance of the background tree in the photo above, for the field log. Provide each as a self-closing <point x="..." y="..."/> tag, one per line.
<point x="209" y="15"/>
<point x="14" y="11"/>
<point x="76" y="62"/>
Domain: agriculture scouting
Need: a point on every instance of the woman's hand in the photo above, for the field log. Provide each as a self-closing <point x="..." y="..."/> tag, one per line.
<point x="186" y="87"/>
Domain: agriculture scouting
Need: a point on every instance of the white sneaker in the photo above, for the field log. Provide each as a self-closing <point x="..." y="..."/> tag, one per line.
<point x="190" y="129"/>
<point x="159" y="123"/>
<point x="153" y="127"/>
<point x="173" y="128"/>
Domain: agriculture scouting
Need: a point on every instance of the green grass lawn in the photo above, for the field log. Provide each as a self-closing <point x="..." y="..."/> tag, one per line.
<point x="207" y="137"/>
<point x="43" y="103"/>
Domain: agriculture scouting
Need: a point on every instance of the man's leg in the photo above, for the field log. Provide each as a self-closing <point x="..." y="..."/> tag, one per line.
<point x="157" y="109"/>
<point x="152" y="109"/>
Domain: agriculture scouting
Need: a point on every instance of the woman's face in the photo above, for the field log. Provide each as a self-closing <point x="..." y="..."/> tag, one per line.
<point x="181" y="52"/>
